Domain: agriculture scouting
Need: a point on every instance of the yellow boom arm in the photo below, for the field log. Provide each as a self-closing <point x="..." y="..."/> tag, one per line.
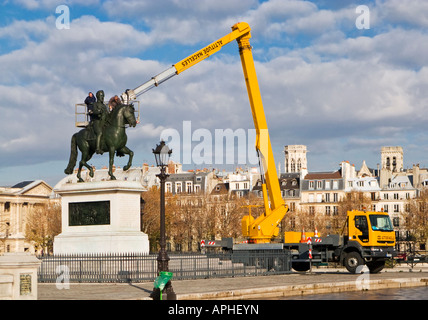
<point x="265" y="227"/>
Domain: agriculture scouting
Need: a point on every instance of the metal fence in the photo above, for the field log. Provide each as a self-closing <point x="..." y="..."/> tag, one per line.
<point x="136" y="267"/>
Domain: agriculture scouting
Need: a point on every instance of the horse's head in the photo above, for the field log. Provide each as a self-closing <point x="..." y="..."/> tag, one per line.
<point x="129" y="114"/>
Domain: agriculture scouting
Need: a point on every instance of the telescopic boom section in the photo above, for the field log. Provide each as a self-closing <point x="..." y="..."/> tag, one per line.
<point x="262" y="229"/>
<point x="241" y="29"/>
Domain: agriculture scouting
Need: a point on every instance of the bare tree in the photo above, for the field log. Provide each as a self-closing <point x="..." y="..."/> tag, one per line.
<point x="416" y="219"/>
<point x="151" y="214"/>
<point x="43" y="224"/>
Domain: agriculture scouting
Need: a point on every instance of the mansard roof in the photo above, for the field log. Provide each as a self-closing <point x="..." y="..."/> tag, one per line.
<point x="323" y="175"/>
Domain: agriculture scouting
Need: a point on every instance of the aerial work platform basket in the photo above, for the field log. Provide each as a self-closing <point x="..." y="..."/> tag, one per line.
<point x="82" y="116"/>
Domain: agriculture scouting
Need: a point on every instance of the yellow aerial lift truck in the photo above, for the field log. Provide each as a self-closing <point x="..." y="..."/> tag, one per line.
<point x="369" y="239"/>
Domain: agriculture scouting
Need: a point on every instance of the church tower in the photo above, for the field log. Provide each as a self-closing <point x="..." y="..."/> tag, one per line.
<point x="295" y="158"/>
<point x="392" y="158"/>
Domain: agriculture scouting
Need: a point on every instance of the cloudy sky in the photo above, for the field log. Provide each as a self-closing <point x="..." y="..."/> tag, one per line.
<point x="341" y="85"/>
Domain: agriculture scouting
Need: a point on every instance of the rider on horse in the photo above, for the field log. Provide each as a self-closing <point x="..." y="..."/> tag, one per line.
<point x="98" y="119"/>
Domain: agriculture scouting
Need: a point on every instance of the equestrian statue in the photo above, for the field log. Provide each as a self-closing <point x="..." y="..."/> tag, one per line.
<point x="105" y="133"/>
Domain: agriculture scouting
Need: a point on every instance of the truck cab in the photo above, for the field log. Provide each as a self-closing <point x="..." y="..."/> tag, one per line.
<point x="370" y="240"/>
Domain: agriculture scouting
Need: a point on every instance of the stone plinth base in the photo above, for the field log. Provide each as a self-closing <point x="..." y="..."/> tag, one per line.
<point x="105" y="242"/>
<point x="18" y="276"/>
<point x="101" y="217"/>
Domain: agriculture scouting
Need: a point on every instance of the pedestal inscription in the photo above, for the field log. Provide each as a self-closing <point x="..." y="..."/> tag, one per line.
<point x="24" y="284"/>
<point x="89" y="213"/>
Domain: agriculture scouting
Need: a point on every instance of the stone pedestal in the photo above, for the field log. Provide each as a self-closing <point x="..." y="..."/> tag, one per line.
<point x="18" y="276"/>
<point x="101" y="217"/>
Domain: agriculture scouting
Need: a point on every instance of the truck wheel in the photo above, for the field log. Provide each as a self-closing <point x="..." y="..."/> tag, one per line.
<point x="352" y="261"/>
<point x="376" y="266"/>
<point x="301" y="266"/>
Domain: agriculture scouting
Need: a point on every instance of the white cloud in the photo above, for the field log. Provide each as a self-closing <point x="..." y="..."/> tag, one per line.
<point x="412" y="12"/>
<point x="52" y="4"/>
<point x="356" y="93"/>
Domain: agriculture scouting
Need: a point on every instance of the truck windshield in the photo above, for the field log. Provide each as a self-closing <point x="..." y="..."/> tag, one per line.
<point x="381" y="222"/>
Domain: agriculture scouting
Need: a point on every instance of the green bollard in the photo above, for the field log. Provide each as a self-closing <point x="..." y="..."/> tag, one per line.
<point x="162" y="280"/>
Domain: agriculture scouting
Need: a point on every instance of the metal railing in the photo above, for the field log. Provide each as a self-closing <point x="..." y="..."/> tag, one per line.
<point x="136" y="267"/>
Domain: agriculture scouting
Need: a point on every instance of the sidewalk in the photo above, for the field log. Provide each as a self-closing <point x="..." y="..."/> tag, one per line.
<point x="261" y="287"/>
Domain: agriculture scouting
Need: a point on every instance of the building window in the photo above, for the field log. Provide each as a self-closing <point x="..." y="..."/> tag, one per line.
<point x="293" y="166"/>
<point x="395" y="196"/>
<point x="293" y="223"/>
<point x="335" y="197"/>
<point x="319" y="184"/>
<point x="327" y="197"/>
<point x="178" y="187"/>
<point x="311" y="185"/>
<point x="189" y="187"/>
<point x="396" y="208"/>
<point x="335" y="210"/>
<point x="327" y="210"/>
<point x="327" y="185"/>
<point x="396" y="222"/>
<point x="335" y="185"/>
<point x="311" y="210"/>
<point x="197" y="188"/>
<point x="168" y="187"/>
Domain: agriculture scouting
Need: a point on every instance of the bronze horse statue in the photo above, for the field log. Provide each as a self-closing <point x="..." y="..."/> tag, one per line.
<point x="113" y="140"/>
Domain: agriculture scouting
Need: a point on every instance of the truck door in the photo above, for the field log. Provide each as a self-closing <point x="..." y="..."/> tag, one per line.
<point x="362" y="225"/>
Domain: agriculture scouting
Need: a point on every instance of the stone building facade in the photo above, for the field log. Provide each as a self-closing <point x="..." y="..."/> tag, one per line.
<point x="15" y="204"/>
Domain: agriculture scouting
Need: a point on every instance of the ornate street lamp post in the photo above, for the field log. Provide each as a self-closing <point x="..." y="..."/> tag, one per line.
<point x="162" y="154"/>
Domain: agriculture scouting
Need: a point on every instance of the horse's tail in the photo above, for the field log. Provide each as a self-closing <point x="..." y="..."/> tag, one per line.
<point x="73" y="156"/>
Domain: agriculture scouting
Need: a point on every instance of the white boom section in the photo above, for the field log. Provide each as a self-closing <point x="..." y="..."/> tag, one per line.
<point x="131" y="94"/>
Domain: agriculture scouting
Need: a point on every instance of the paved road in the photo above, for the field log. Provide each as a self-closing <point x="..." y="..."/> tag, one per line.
<point x="320" y="281"/>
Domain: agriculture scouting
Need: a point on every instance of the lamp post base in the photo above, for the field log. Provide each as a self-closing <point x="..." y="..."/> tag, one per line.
<point x="168" y="293"/>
